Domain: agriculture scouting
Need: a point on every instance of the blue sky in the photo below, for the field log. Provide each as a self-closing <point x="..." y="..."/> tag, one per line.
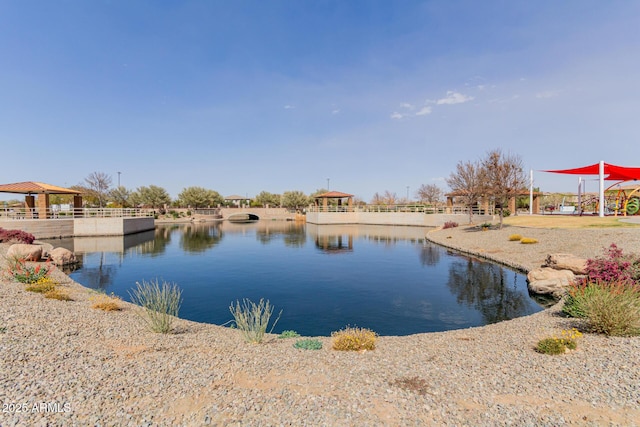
<point x="245" y="96"/>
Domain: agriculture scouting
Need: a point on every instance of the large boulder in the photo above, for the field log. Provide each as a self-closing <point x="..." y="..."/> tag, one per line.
<point x="62" y="256"/>
<point x="548" y="281"/>
<point x="567" y="262"/>
<point x="25" y="252"/>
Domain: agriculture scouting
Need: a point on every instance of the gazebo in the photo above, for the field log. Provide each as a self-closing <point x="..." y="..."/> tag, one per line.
<point x="334" y="195"/>
<point x="39" y="209"/>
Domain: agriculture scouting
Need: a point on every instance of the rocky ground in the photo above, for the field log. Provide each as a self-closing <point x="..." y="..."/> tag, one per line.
<point x="65" y="363"/>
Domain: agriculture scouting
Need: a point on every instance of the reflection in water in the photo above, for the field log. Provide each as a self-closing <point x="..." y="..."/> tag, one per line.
<point x="335" y="244"/>
<point x="99" y="276"/>
<point x="392" y="281"/>
<point x="484" y="286"/>
<point x="157" y="245"/>
<point x="293" y="233"/>
<point x="430" y="254"/>
<point x="198" y="237"/>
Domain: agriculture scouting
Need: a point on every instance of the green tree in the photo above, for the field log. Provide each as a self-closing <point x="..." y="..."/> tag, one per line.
<point x="120" y="196"/>
<point x="198" y="197"/>
<point x="152" y="196"/>
<point x="268" y="199"/>
<point x="294" y="199"/>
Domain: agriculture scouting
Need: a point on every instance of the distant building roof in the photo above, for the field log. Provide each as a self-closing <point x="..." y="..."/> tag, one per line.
<point x="31" y="187"/>
<point x="236" y="197"/>
<point x="332" y="195"/>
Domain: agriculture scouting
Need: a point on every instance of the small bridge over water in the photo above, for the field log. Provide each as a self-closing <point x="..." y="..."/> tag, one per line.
<point x="243" y="217"/>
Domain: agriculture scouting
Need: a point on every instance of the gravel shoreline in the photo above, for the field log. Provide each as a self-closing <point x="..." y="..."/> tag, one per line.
<point x="99" y="368"/>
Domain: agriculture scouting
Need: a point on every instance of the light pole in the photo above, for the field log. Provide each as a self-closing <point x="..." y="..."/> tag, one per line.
<point x="119" y="178"/>
<point x="327" y="184"/>
<point x="407" y="194"/>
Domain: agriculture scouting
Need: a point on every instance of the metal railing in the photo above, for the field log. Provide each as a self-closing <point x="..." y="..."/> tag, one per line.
<point x="49" y="213"/>
<point x="402" y="209"/>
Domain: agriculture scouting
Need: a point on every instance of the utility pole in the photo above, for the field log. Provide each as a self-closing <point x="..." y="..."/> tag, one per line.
<point x="119" y="179"/>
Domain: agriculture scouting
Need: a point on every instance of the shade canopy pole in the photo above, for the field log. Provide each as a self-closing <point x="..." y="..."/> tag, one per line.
<point x="601" y="173"/>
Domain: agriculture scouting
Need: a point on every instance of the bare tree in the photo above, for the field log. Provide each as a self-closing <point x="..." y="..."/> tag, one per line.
<point x="390" y="198"/>
<point x="429" y="193"/>
<point x="467" y="182"/>
<point x="376" y="199"/>
<point x="504" y="178"/>
<point x="98" y="185"/>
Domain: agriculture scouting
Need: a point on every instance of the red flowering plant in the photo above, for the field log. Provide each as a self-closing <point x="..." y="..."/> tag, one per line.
<point x="614" y="266"/>
<point x="23" y="273"/>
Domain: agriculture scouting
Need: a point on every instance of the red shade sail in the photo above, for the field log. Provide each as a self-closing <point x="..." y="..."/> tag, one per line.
<point x="612" y="172"/>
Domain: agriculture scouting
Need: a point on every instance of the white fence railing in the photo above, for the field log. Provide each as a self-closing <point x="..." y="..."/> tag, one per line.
<point x="401" y="208"/>
<point x="49" y="213"/>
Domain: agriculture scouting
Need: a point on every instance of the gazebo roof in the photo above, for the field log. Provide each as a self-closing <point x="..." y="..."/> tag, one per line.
<point x="332" y="195"/>
<point x="30" y="187"/>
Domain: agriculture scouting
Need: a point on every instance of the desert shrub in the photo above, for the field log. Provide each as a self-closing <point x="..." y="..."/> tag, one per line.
<point x="450" y="224"/>
<point x="613" y="308"/>
<point x="253" y="319"/>
<point x="354" y="339"/>
<point x="22" y="272"/>
<point x="18" y="236"/>
<point x="42" y="285"/>
<point x="515" y="238"/>
<point x="105" y="302"/>
<point x="160" y="304"/>
<point x="577" y="296"/>
<point x="528" y="240"/>
<point x="614" y="266"/>
<point x="308" y="344"/>
<point x="485" y="225"/>
<point x="568" y="340"/>
<point x="59" y="294"/>
<point x="288" y="334"/>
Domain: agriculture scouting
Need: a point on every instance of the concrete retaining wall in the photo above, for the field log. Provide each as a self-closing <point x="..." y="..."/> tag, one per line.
<point x="55" y="228"/>
<point x="392" y="218"/>
<point x="41" y="228"/>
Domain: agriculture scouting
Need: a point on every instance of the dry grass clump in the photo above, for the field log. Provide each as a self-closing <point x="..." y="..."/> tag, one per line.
<point x="253" y="319"/>
<point x="528" y="240"/>
<point x="106" y="302"/>
<point x="160" y="304"/>
<point x="354" y="339"/>
<point x="42" y="285"/>
<point x="515" y="238"/>
<point x="59" y="294"/>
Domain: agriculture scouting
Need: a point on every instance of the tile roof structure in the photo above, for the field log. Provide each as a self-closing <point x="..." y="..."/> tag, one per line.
<point x="30" y="187"/>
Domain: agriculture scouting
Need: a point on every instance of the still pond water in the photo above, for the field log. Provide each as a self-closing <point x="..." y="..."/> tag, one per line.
<point x="323" y="278"/>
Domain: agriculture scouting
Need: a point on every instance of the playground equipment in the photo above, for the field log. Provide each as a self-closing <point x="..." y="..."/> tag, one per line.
<point x="623" y="203"/>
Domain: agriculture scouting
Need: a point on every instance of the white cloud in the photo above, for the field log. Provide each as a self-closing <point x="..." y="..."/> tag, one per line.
<point x="336" y="111"/>
<point x="396" y="115"/>
<point x="454" y="98"/>
<point x="407" y="106"/>
<point x="424" y="111"/>
<point x="289" y="107"/>
<point x="547" y="94"/>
